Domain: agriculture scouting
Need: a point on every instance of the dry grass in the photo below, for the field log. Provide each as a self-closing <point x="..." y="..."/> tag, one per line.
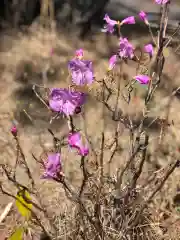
<point x="22" y="59"/>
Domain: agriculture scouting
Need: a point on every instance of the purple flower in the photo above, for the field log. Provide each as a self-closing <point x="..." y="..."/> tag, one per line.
<point x="112" y="62"/>
<point x="75" y="141"/>
<point x="79" y="53"/>
<point x="142" y="79"/>
<point x="126" y="50"/>
<point x="149" y="49"/>
<point x="161" y="1"/>
<point x="81" y="71"/>
<point x="143" y="17"/>
<point x="52" y="166"/>
<point x="109" y="27"/>
<point x="65" y="101"/>
<point x="128" y="20"/>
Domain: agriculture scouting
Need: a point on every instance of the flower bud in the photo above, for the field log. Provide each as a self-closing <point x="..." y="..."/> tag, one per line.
<point x="14" y="131"/>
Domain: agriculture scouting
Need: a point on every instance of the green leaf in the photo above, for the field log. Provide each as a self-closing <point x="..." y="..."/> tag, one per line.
<point x="24" y="207"/>
<point x="18" y="234"/>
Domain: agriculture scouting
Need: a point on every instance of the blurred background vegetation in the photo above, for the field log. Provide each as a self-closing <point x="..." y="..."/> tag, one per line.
<point x="86" y="15"/>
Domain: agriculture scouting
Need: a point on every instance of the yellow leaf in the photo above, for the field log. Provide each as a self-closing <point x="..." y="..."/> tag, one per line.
<point x="166" y="52"/>
<point x="17" y="235"/>
<point x="22" y="203"/>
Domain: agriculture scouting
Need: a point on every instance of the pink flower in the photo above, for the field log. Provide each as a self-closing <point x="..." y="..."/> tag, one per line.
<point x="79" y="53"/>
<point x="53" y="166"/>
<point x="142" y="79"/>
<point x="128" y="20"/>
<point x="112" y="62"/>
<point x="81" y="71"/>
<point x="75" y="141"/>
<point x="149" y="49"/>
<point x="161" y="1"/>
<point x="65" y="101"/>
<point x="126" y="49"/>
<point x="109" y="27"/>
<point x="143" y="17"/>
<point x="14" y="130"/>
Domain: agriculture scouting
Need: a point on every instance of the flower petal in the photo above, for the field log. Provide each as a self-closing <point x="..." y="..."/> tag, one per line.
<point x="109" y="27"/>
<point x="75" y="141"/>
<point x="143" y="79"/>
<point x="149" y="49"/>
<point x="112" y="62"/>
<point x="81" y="71"/>
<point x="128" y="20"/>
<point x="161" y="1"/>
<point x="143" y="17"/>
<point x="53" y="166"/>
<point x="66" y="101"/>
<point x="126" y="49"/>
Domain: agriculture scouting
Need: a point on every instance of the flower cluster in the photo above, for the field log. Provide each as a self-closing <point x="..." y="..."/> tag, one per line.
<point x="66" y="100"/>
<point x="69" y="102"/>
<point x="53" y="166"/>
<point x="126" y="49"/>
<point x="110" y="24"/>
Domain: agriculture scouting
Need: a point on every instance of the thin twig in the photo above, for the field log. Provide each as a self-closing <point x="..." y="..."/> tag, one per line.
<point x="40" y="98"/>
<point x="6" y="211"/>
<point x="158" y="187"/>
<point x="85" y="176"/>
